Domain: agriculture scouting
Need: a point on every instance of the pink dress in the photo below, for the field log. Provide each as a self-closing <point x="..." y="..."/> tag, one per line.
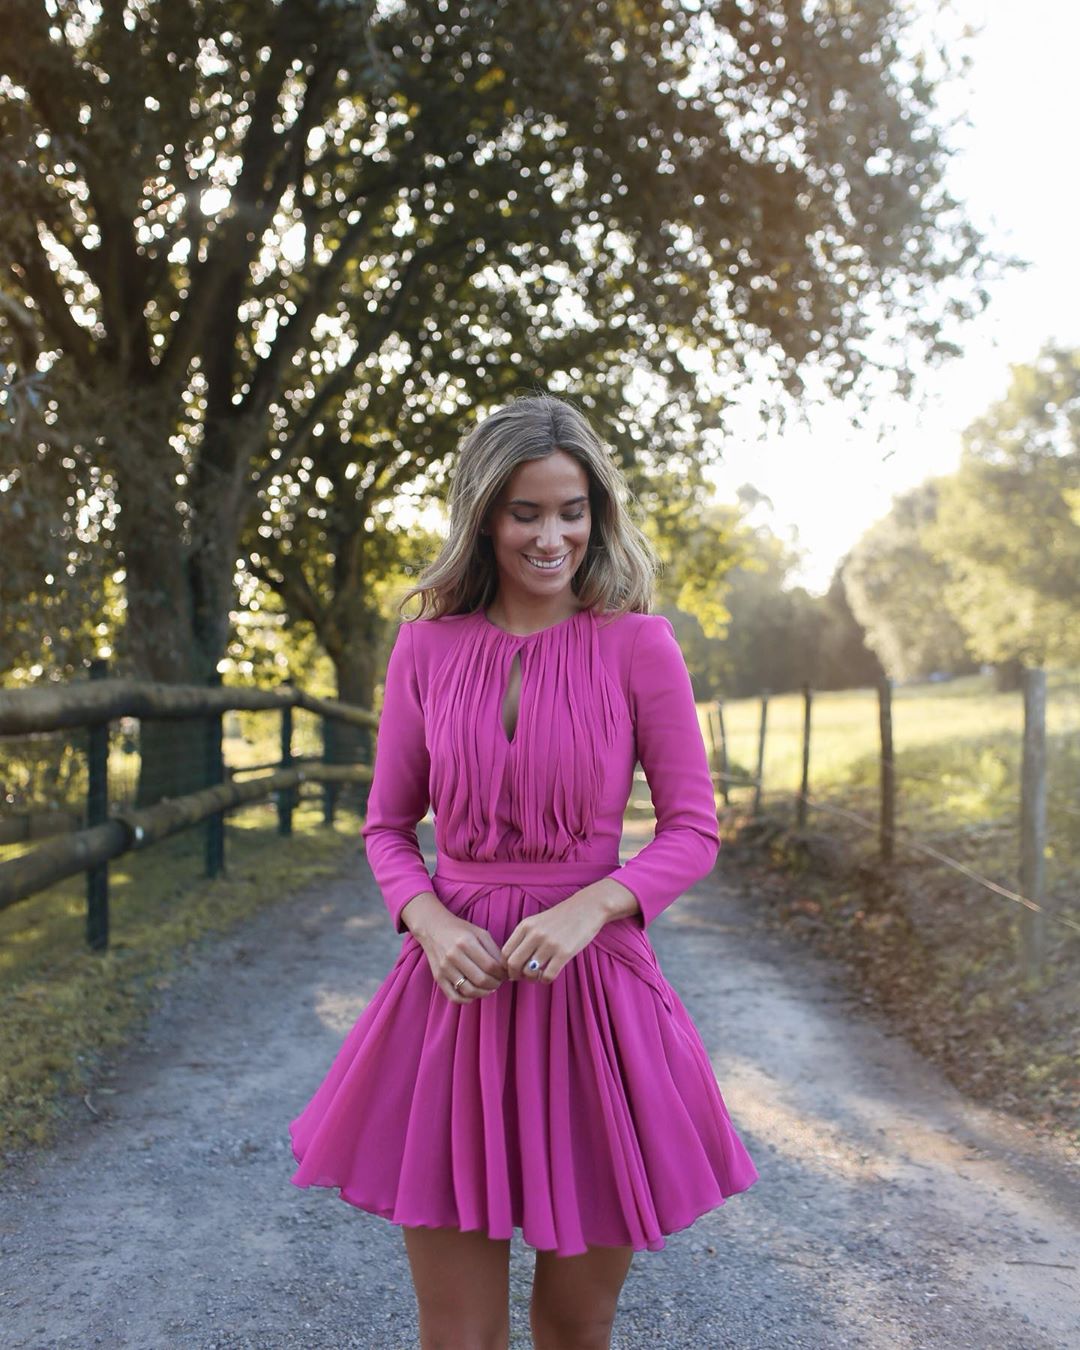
<point x="585" y="1111"/>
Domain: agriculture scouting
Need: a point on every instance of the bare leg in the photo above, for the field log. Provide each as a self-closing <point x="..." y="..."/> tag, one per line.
<point x="575" y="1297"/>
<point x="462" y="1283"/>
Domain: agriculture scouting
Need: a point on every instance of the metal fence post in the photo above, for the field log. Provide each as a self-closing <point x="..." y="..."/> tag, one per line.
<point x="97" y="813"/>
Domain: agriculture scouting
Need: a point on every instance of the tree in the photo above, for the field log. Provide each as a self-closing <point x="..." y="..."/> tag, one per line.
<point x="844" y="659"/>
<point x="228" y="224"/>
<point x="60" y="600"/>
<point x="897" y="591"/>
<point x="1007" y="526"/>
<point x="760" y="649"/>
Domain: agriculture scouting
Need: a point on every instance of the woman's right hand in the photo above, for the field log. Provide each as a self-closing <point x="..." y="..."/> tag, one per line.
<point x="455" y="947"/>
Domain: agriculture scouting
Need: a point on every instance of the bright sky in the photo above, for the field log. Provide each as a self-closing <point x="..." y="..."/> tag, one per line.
<point x="829" y="482"/>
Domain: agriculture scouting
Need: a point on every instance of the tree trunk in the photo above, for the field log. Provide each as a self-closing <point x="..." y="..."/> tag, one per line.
<point x="179" y="593"/>
<point x="1008" y="675"/>
<point x="355" y="673"/>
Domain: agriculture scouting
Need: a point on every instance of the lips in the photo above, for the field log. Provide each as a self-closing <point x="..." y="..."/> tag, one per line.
<point x="546" y="564"/>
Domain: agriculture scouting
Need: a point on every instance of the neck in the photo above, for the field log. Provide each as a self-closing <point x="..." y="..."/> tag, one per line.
<point x="526" y="616"/>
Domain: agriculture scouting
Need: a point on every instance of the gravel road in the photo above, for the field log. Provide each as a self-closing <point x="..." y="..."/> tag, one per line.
<point x="890" y="1211"/>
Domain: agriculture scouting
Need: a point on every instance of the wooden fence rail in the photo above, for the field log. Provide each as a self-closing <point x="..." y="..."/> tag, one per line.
<point x="110" y="830"/>
<point x="56" y="707"/>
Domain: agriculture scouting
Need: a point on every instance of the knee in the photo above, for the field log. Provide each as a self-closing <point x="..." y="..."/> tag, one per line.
<point x="449" y="1326"/>
<point x="464" y="1338"/>
<point x="566" y="1330"/>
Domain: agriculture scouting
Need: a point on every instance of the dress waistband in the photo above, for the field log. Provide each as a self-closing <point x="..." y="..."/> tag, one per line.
<point x="512" y="870"/>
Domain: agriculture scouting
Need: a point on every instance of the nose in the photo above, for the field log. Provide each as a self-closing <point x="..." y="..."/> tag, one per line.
<point x="550" y="541"/>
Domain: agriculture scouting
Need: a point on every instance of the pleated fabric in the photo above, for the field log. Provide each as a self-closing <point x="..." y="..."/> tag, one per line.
<point x="584" y="1112"/>
<point x="569" y="715"/>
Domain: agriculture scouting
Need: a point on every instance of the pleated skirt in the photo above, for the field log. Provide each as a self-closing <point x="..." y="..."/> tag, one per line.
<point x="584" y="1112"/>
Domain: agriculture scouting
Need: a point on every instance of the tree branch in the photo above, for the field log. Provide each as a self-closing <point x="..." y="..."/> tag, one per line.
<point x="40" y="280"/>
<point x="291" y="584"/>
<point x="240" y="237"/>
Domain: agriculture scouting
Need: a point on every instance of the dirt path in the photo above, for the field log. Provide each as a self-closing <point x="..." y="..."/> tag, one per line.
<point x="890" y="1213"/>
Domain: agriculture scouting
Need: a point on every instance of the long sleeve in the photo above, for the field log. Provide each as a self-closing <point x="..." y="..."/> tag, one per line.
<point x="398" y="799"/>
<point x="672" y="753"/>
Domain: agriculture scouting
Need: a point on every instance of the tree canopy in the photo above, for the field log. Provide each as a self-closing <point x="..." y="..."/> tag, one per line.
<point x="1008" y="521"/>
<point x="284" y="251"/>
<point x="897" y="590"/>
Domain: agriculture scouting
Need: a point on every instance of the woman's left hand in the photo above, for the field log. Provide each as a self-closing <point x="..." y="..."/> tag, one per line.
<point x="554" y="936"/>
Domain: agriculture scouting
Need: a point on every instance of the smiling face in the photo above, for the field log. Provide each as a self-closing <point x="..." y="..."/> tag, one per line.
<point x="542" y="516"/>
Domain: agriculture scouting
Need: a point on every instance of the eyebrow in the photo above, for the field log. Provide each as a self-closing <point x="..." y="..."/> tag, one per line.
<point x="522" y="501"/>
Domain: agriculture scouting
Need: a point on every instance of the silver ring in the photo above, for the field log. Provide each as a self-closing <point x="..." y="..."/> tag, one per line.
<point x="459" y="983"/>
<point x="532" y="966"/>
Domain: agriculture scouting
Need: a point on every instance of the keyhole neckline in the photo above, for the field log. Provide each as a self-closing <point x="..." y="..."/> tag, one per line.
<point x="524" y="637"/>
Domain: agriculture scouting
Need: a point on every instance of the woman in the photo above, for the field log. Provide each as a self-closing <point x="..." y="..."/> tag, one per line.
<point x="525" y="1064"/>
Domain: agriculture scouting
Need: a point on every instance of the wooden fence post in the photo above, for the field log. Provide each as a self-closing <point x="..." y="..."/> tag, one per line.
<point x="887" y="819"/>
<point x="1033" y="819"/>
<point x="713" y="748"/>
<point x="97" y="813"/>
<point x="285" y="795"/>
<point x="760" y="774"/>
<point x="215" y="774"/>
<point x="800" y="810"/>
<point x="330" y="790"/>
<point x="725" y="783"/>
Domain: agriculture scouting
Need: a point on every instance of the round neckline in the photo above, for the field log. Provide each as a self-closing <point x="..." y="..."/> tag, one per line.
<point x="524" y="637"/>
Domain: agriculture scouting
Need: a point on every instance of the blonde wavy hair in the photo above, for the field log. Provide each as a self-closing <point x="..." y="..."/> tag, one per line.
<point x="620" y="565"/>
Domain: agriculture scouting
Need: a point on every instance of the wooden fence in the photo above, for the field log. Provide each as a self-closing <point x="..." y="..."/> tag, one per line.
<point x="109" y="830"/>
<point x="1033" y="840"/>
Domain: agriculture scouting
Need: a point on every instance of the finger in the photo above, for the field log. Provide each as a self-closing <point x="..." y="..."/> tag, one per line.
<point x="521" y="958"/>
<point x="469" y="993"/>
<point x="478" y="983"/>
<point x="551" y="970"/>
<point x="516" y="948"/>
<point x="489" y="958"/>
<point x="475" y="940"/>
<point x="512" y="943"/>
<point x="445" y="975"/>
<point x="463" y="993"/>
<point x="542" y="975"/>
<point x="496" y="962"/>
<point x="464" y="963"/>
<point x="463" y="956"/>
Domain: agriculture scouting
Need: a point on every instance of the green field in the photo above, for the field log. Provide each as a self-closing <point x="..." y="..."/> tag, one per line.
<point x="957" y="752"/>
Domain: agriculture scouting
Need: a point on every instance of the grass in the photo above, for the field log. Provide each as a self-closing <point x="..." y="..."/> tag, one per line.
<point x="957" y="752"/>
<point x="938" y="951"/>
<point x="65" y="1007"/>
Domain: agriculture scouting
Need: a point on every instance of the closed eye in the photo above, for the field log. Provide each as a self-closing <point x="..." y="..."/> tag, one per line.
<point x="528" y="520"/>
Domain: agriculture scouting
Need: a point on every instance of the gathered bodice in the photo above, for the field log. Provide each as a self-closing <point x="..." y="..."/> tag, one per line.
<point x="535" y="796"/>
<point x="597" y="694"/>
